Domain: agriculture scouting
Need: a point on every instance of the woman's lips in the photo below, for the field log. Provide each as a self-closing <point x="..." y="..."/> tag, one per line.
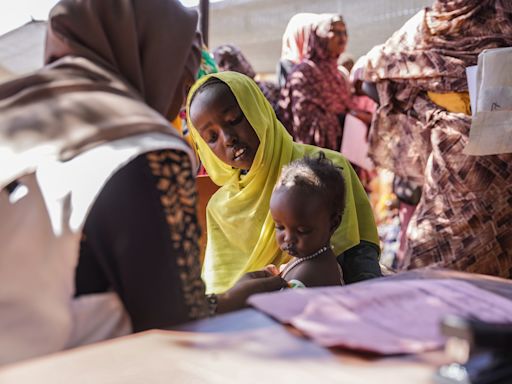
<point x="239" y="153"/>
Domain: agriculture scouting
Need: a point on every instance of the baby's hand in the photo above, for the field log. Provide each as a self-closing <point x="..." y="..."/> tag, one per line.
<point x="271" y="268"/>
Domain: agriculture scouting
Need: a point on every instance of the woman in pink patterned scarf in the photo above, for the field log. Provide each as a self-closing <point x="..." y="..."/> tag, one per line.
<point x="316" y="96"/>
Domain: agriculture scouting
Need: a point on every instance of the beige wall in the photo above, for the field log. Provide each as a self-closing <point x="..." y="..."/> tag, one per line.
<point x="256" y="26"/>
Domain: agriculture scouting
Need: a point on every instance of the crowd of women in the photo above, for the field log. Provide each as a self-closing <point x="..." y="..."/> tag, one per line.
<point x="98" y="232"/>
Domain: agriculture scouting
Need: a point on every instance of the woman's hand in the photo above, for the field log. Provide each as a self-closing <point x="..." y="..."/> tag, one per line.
<point x="249" y="284"/>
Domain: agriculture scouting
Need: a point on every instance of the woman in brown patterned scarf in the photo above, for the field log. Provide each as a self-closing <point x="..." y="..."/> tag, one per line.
<point x="464" y="217"/>
<point x="98" y="227"/>
<point x="316" y="95"/>
<point x="230" y="58"/>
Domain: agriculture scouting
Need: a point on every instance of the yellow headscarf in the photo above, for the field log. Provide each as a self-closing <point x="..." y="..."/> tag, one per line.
<point x="239" y="225"/>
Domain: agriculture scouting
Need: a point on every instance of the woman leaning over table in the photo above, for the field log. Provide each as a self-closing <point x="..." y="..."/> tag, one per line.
<point x="98" y="228"/>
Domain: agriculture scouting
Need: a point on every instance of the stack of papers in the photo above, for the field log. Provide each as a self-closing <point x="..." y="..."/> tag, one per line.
<point x="385" y="317"/>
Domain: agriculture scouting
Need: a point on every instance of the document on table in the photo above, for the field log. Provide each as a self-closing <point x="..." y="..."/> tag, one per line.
<point x="385" y="317"/>
<point x="491" y="103"/>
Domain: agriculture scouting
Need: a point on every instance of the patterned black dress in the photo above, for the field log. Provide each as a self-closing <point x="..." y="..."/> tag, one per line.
<point x="141" y="241"/>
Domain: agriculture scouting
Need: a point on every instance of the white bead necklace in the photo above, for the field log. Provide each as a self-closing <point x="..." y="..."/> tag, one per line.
<point x="289" y="267"/>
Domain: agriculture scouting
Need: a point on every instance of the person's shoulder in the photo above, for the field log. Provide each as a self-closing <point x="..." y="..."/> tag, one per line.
<point x="299" y="69"/>
<point x="318" y="272"/>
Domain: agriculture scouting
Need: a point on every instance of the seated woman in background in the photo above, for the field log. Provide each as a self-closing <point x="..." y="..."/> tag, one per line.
<point x="243" y="147"/>
<point x="230" y="58"/>
<point x="307" y="206"/>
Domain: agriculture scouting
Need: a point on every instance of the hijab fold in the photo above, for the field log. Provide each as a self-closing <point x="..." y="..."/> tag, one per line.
<point x="240" y="228"/>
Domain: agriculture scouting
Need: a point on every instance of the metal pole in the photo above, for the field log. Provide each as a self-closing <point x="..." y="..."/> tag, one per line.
<point x="204" y="8"/>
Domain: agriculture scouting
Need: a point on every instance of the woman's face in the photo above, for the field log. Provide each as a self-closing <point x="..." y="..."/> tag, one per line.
<point x="221" y="123"/>
<point x="337" y="38"/>
<point x="303" y="222"/>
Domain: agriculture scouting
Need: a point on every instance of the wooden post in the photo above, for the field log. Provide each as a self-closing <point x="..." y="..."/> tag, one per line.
<point x="204" y="8"/>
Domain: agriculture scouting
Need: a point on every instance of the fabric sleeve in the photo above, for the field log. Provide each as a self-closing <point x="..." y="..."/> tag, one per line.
<point x="360" y="262"/>
<point x="141" y="240"/>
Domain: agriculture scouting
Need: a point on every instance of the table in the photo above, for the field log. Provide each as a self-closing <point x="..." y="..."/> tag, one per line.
<point x="241" y="347"/>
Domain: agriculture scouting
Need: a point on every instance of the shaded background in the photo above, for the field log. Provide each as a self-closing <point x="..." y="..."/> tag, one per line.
<point x="256" y="26"/>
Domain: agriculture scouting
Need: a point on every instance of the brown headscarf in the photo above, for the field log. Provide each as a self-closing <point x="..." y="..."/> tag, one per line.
<point x="429" y="53"/>
<point x="433" y="48"/>
<point x="108" y="61"/>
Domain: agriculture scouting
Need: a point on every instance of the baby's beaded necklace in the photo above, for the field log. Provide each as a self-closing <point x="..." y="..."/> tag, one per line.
<point x="289" y="267"/>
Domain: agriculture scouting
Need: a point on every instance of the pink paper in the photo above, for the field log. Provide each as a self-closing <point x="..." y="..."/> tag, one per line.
<point x="388" y="317"/>
<point x="354" y="146"/>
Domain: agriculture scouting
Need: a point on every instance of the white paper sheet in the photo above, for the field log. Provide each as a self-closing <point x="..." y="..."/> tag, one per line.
<point x="472" y="88"/>
<point x="491" y="127"/>
<point x="387" y="317"/>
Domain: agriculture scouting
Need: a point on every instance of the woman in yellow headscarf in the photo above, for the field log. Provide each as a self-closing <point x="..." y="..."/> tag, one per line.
<point x="243" y="147"/>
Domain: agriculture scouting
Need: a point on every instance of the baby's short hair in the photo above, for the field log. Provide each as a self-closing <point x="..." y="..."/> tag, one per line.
<point x="316" y="175"/>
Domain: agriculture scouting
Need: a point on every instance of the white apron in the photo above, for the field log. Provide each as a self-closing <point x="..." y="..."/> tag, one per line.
<point x="40" y="229"/>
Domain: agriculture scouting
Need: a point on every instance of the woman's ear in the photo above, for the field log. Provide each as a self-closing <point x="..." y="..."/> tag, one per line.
<point x="335" y="222"/>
